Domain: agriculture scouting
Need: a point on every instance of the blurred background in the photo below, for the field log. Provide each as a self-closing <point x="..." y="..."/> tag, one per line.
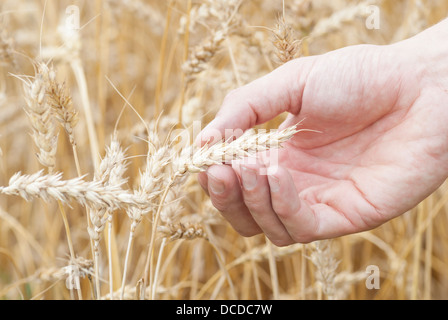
<point x="175" y="61"/>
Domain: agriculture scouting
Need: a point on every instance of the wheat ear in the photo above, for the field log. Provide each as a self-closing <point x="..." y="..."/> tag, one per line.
<point x="151" y="185"/>
<point x="326" y="264"/>
<point x="110" y="172"/>
<point x="45" y="133"/>
<point x="181" y="230"/>
<point x="202" y="54"/>
<point x="247" y="145"/>
<point x="53" y="187"/>
<point x="287" y="47"/>
<point x="96" y="195"/>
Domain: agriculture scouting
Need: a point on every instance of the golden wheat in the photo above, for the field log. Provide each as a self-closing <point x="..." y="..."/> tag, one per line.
<point x="120" y="87"/>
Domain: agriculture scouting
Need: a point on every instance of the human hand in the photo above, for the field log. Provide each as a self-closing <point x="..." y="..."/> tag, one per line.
<point x="383" y="114"/>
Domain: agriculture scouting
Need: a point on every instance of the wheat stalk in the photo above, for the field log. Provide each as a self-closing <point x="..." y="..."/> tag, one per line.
<point x="90" y="194"/>
<point x="326" y="264"/>
<point x="71" y="54"/>
<point x="95" y="194"/>
<point x="152" y="182"/>
<point x="287" y="47"/>
<point x="202" y="54"/>
<point x="60" y="100"/>
<point x="247" y="145"/>
<point x="182" y="230"/>
<point x="101" y="196"/>
<point x="45" y="134"/>
<point x="110" y="172"/>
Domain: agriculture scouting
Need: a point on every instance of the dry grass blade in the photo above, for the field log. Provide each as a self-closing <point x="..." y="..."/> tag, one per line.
<point x="115" y="73"/>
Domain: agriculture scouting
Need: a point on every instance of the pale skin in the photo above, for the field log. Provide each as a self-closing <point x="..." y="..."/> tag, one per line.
<point x="383" y="116"/>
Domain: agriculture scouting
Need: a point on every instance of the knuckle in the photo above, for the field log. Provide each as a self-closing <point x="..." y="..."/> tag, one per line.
<point x="286" y="210"/>
<point x="281" y="242"/>
<point x="254" y="206"/>
<point x="247" y="233"/>
<point x="282" y="212"/>
<point x="303" y="239"/>
<point x="220" y="203"/>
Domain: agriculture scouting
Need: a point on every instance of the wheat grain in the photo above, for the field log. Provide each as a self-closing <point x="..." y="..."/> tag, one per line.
<point x="224" y="152"/>
<point x="159" y="131"/>
<point x="97" y="195"/>
<point x="202" y="54"/>
<point x="287" y="47"/>
<point x="173" y="205"/>
<point x="152" y="181"/>
<point x="41" y="118"/>
<point x="60" y="100"/>
<point x="53" y="187"/>
<point x="180" y="230"/>
<point x="109" y="173"/>
<point x="151" y="186"/>
<point x="326" y="265"/>
<point x="130" y="41"/>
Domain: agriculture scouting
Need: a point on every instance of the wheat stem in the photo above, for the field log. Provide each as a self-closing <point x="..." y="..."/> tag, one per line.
<point x="185" y="57"/>
<point x="76" y="158"/>
<point x="79" y="73"/>
<point x="162" y="50"/>
<point x="148" y="273"/>
<point x="126" y="262"/>
<point x="156" y="273"/>
<point x="109" y="253"/>
<point x="273" y="270"/>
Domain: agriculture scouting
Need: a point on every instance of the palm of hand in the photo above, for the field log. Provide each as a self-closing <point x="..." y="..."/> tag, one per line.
<point x="383" y="147"/>
<point x="383" y="143"/>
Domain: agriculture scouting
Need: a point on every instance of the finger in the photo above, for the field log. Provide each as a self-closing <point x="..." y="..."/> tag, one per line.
<point x="203" y="181"/>
<point x="336" y="215"/>
<point x="226" y="196"/>
<point x="260" y="100"/>
<point x="298" y="219"/>
<point x="257" y="198"/>
<point x="319" y="212"/>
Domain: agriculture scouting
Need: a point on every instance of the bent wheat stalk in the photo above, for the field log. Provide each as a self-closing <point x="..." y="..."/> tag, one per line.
<point x="151" y="185"/>
<point x="110" y="172"/>
<point x="45" y="133"/>
<point x="95" y="194"/>
<point x="247" y="145"/>
<point x="52" y="187"/>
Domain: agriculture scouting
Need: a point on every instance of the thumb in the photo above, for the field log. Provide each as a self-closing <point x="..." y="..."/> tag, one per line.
<point x="259" y="101"/>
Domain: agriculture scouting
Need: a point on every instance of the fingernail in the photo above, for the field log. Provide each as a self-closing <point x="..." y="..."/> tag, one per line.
<point x="274" y="183"/>
<point x="216" y="185"/>
<point x="249" y="177"/>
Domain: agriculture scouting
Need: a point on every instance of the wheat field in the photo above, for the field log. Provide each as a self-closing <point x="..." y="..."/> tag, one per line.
<point x="97" y="202"/>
